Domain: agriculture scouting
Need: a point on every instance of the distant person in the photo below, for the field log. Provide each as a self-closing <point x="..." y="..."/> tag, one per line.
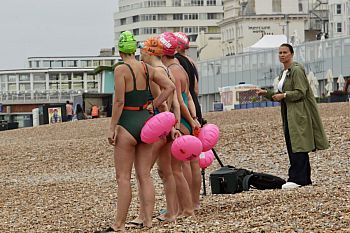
<point x="303" y="129"/>
<point x="69" y="111"/>
<point x="55" y="118"/>
<point x="95" y="111"/>
<point x="80" y="114"/>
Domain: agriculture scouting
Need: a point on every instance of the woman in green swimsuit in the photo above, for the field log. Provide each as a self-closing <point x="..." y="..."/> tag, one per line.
<point x="129" y="113"/>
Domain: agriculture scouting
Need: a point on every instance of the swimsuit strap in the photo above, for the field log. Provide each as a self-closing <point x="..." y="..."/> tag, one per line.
<point x="166" y="70"/>
<point x="178" y="66"/>
<point x="133" y="75"/>
<point x="174" y="64"/>
<point x="145" y="68"/>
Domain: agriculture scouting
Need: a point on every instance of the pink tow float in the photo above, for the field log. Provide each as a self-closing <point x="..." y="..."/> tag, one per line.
<point x="186" y="148"/>
<point x="157" y="126"/>
<point x="209" y="136"/>
<point x="206" y="159"/>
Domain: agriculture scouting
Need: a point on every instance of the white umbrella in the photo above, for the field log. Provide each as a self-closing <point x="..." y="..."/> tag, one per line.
<point x="294" y="38"/>
<point x="320" y="49"/>
<point x="341" y="82"/>
<point x="329" y="85"/>
<point x="313" y="83"/>
<point x="275" y="84"/>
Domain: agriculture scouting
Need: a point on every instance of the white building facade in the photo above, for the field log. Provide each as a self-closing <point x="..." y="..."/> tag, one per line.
<point x="247" y="21"/>
<point x="339" y="18"/>
<point x="150" y="18"/>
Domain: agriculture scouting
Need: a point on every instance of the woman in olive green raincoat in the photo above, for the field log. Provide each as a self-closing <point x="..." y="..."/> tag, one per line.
<point x="303" y="129"/>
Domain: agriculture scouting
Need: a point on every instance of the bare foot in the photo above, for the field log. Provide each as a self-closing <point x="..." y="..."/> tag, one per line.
<point x="196" y="207"/>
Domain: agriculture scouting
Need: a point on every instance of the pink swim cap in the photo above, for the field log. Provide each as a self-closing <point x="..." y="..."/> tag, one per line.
<point x="182" y="40"/>
<point x="169" y="41"/>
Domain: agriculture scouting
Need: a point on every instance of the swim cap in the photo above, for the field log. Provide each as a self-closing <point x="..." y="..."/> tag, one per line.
<point x="152" y="46"/>
<point x="169" y="41"/>
<point x="182" y="40"/>
<point x="127" y="43"/>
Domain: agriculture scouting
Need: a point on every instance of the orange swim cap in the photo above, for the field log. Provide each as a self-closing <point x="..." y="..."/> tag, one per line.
<point x="153" y="47"/>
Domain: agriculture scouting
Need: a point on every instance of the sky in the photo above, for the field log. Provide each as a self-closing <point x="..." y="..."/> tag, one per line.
<point x="38" y="28"/>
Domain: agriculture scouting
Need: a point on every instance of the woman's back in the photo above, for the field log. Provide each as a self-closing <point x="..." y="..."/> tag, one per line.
<point x="136" y="83"/>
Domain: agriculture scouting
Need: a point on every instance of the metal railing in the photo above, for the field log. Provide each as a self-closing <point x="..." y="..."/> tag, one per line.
<point x="40" y="96"/>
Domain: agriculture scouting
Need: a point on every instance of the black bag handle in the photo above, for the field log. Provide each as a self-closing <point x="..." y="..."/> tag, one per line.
<point x="245" y="182"/>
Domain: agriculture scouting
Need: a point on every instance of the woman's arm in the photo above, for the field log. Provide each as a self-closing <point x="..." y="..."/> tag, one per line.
<point x="196" y="89"/>
<point x="184" y="112"/>
<point x="176" y="110"/>
<point x="300" y="85"/>
<point x="266" y="93"/>
<point x="119" y="95"/>
<point x="191" y="106"/>
<point x="155" y="91"/>
<point x="167" y="87"/>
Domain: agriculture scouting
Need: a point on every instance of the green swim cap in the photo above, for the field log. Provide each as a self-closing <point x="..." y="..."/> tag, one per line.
<point x="127" y="43"/>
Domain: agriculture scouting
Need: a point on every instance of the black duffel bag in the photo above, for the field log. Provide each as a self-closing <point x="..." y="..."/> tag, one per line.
<point x="229" y="180"/>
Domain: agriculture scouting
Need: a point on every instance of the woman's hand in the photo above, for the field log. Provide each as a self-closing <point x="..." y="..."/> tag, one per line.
<point x="112" y="136"/>
<point x="195" y="125"/>
<point x="278" y="97"/>
<point x="175" y="133"/>
<point x="150" y="108"/>
<point x="260" y="91"/>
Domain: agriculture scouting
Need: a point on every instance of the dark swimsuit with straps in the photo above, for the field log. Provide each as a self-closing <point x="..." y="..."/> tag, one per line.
<point x="132" y="120"/>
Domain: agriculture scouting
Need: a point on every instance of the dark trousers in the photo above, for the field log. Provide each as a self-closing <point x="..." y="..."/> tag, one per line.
<point x="300" y="170"/>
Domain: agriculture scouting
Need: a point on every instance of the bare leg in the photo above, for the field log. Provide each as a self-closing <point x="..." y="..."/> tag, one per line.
<point x="143" y="164"/>
<point x="124" y="155"/>
<point x="196" y="183"/>
<point x="186" y="169"/>
<point x="139" y="219"/>
<point x="166" y="174"/>
<point x="182" y="189"/>
<point x="156" y="147"/>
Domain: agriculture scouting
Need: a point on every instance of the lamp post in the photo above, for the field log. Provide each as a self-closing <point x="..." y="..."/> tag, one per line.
<point x="287" y="26"/>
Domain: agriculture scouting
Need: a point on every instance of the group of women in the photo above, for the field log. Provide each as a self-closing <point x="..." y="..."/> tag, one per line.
<point x="143" y="88"/>
<point x="167" y="78"/>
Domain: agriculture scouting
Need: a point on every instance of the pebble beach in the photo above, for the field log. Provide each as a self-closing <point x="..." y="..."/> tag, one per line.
<point x="60" y="178"/>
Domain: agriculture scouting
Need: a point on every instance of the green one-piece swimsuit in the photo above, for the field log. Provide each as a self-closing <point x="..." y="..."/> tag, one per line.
<point x="132" y="120"/>
<point x="183" y="119"/>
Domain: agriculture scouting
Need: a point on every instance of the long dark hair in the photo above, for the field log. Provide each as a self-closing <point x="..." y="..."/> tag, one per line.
<point x="288" y="46"/>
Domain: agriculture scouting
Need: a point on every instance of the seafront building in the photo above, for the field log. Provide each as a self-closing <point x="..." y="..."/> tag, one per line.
<point x="339" y="18"/>
<point x="197" y="18"/>
<point x="52" y="80"/>
<point x="260" y="68"/>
